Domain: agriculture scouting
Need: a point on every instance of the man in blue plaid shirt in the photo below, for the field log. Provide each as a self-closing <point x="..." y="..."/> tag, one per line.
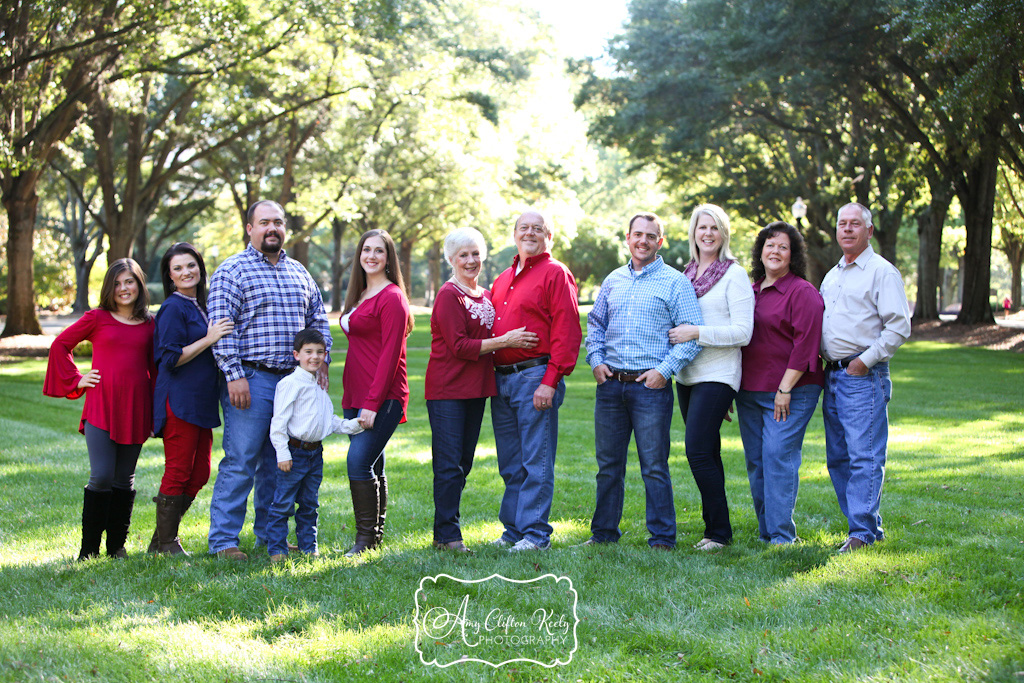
<point x="633" y="362"/>
<point x="270" y="298"/>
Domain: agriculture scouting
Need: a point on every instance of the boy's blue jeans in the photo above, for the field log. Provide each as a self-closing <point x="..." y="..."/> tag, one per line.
<point x="300" y="485"/>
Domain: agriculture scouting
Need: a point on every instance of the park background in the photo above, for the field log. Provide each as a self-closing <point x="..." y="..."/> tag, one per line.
<point x="130" y="125"/>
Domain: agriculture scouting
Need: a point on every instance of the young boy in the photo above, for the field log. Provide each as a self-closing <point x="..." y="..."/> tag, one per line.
<point x="303" y="417"/>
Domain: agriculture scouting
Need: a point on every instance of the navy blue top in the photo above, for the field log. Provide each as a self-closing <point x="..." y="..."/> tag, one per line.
<point x="192" y="388"/>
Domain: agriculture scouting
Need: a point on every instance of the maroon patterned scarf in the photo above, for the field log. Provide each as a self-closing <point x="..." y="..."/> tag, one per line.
<point x="709" y="279"/>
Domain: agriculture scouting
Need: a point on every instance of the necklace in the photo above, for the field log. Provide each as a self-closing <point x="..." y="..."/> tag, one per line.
<point x="475" y="293"/>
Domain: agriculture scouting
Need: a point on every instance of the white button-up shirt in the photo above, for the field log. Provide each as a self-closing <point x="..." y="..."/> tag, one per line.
<point x="866" y="310"/>
<point x="303" y="410"/>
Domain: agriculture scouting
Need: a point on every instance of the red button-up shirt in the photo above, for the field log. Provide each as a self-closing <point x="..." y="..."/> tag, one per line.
<point x="542" y="297"/>
<point x="787" y="334"/>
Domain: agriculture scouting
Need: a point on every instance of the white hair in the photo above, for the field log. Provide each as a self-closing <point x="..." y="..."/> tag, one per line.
<point x="865" y="213"/>
<point x="463" y="237"/>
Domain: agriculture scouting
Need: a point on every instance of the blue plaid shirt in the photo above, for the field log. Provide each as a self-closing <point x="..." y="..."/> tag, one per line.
<point x="628" y="327"/>
<point x="269" y="305"/>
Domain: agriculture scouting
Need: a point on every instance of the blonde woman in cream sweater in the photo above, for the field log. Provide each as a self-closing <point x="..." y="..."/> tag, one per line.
<point x="708" y="385"/>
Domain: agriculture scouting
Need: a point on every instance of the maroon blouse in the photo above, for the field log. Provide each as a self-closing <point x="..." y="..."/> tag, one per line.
<point x="375" y="362"/>
<point x="787" y="335"/>
<point x="458" y="326"/>
<point x="122" y="402"/>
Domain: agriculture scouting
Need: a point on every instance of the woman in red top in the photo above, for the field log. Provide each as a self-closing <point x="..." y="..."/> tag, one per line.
<point x="460" y="377"/>
<point x="781" y="377"/>
<point x="118" y="413"/>
<point x="376" y="320"/>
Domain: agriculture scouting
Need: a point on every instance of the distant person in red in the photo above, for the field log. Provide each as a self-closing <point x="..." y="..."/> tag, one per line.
<point x="460" y="377"/>
<point x="376" y="320"/>
<point x="1007" y="305"/>
<point x="118" y="389"/>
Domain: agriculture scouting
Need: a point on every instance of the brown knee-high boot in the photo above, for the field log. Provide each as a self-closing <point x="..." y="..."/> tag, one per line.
<point x="169" y="510"/>
<point x="365" y="507"/>
<point x="154" y="543"/>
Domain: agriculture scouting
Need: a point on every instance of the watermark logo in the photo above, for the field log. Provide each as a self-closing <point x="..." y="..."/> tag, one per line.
<point x="496" y="620"/>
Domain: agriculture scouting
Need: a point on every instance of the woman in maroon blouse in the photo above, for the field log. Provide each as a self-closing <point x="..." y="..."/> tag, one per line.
<point x="782" y="377"/>
<point x="376" y="320"/>
<point x="460" y="377"/>
<point x="118" y="413"/>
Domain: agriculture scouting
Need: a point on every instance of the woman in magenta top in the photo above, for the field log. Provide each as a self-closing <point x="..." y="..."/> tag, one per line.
<point x="460" y="377"/>
<point x="376" y="320"/>
<point x="781" y="377"/>
<point x="117" y="417"/>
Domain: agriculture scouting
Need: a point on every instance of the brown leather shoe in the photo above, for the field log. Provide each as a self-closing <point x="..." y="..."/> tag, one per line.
<point x="280" y="557"/>
<point x="457" y="546"/>
<point x="852" y="544"/>
<point x="232" y="554"/>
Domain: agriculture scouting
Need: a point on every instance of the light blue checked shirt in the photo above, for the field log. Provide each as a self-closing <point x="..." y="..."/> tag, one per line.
<point x="628" y="327"/>
<point x="269" y="305"/>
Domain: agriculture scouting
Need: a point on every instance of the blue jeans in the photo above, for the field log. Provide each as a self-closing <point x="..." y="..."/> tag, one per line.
<point x="622" y="409"/>
<point x="773" y="451"/>
<point x="249" y="458"/>
<point x="366" y="449"/>
<point x="704" y="406"/>
<point x="299" y="485"/>
<point x="455" y="430"/>
<point x="856" y="438"/>
<point x="526" y="441"/>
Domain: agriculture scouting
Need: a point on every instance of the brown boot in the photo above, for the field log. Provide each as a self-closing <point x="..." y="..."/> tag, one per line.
<point x="382" y="507"/>
<point x="168" y="517"/>
<point x="154" y="542"/>
<point x="365" y="506"/>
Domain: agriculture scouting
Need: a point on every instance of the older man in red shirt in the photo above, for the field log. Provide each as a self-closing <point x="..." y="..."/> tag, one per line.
<point x="539" y="293"/>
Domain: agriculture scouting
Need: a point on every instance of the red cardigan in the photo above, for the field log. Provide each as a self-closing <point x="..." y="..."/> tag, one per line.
<point x="375" y="363"/>
<point x="122" y="402"/>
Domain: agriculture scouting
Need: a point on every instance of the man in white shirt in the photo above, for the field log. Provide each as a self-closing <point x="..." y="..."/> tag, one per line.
<point x="866" y="319"/>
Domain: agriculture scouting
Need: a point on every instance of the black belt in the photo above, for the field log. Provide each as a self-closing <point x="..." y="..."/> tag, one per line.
<point x="625" y="376"/>
<point x="304" y="445"/>
<point x="267" y="368"/>
<point x="839" y="364"/>
<point x="522" y="365"/>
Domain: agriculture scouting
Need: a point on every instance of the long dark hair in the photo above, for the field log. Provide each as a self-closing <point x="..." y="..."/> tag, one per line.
<point x="140" y="309"/>
<point x="797" y="250"/>
<point x="392" y="269"/>
<point x="178" y="249"/>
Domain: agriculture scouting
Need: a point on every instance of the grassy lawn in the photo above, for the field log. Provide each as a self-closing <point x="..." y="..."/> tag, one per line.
<point x="940" y="599"/>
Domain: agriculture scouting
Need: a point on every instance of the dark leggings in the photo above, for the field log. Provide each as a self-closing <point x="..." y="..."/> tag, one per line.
<point x="704" y="406"/>
<point x="111" y="465"/>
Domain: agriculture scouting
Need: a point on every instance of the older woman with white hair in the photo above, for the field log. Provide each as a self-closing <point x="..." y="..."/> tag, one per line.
<point x="708" y="385"/>
<point x="460" y="377"/>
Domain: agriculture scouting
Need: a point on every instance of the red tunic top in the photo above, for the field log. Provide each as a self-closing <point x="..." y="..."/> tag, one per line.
<point x="787" y="334"/>
<point x="458" y="326"/>
<point x="122" y="402"/>
<point x="375" y="363"/>
<point x="543" y="298"/>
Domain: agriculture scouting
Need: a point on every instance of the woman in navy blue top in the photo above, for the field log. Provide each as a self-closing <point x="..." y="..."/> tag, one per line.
<point x="187" y="390"/>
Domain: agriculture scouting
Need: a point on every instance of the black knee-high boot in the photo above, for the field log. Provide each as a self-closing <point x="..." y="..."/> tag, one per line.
<point x="365" y="505"/>
<point x="122" y="502"/>
<point x="95" y="510"/>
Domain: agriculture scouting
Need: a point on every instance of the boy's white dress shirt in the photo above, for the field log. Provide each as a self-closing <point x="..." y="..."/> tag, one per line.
<point x="303" y="410"/>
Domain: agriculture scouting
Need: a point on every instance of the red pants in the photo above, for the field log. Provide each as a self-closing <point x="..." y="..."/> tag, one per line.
<point x="186" y="457"/>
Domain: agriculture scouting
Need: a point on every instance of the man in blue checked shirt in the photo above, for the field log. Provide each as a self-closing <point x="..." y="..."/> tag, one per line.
<point x="270" y="297"/>
<point x="633" y="362"/>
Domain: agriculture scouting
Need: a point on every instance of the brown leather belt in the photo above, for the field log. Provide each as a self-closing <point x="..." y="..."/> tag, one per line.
<point x="522" y="365"/>
<point x="623" y="376"/>
<point x="304" y="445"/>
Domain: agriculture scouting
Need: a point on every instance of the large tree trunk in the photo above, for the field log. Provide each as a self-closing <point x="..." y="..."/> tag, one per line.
<point x="21" y="218"/>
<point x="434" y="266"/>
<point x="929" y="233"/>
<point x="977" y="196"/>
<point x="405" y="258"/>
<point x="337" y="296"/>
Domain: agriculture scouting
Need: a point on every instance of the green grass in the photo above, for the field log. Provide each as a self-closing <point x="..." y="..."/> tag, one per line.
<point x="940" y="599"/>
